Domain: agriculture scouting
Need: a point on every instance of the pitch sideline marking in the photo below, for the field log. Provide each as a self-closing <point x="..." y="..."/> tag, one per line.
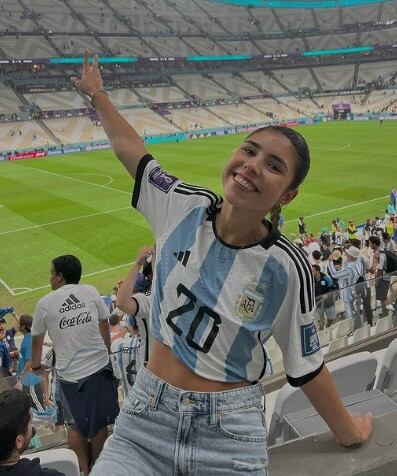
<point x="5" y="285"/>
<point x="106" y="187"/>
<point x="56" y="222"/>
<point x="109" y="177"/>
<point x="331" y="210"/>
<point x="29" y="290"/>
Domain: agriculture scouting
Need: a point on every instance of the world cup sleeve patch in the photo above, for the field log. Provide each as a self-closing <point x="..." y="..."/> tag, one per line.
<point x="161" y="179"/>
<point x="309" y="340"/>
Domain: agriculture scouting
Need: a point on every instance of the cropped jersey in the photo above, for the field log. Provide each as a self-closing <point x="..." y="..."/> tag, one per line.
<point x="215" y="304"/>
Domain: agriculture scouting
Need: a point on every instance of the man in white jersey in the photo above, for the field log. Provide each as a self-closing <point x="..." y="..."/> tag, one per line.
<point x="347" y="277"/>
<point x="75" y="317"/>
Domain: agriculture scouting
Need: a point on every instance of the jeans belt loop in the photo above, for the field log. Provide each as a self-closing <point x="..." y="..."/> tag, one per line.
<point x="213" y="409"/>
<point x="156" y="395"/>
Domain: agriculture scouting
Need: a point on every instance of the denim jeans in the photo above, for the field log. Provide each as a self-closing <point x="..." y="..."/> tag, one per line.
<point x="165" y="431"/>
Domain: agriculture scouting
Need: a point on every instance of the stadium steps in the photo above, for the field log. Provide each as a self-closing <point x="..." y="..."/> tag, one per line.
<point x="380" y="12"/>
<point x="355" y="74"/>
<point x="76" y="14"/>
<point x="274" y="77"/>
<point x="158" y="18"/>
<point x="53" y="45"/>
<point x="173" y="83"/>
<point x="216" y="20"/>
<point x="278" y="21"/>
<point x="125" y="22"/>
<point x="166" y="118"/>
<point x="340" y="15"/>
<point x="255" y="23"/>
<point x="222" y="86"/>
<point x="366" y="97"/>
<point x="20" y="96"/>
<point x="315" y="19"/>
<point x="251" y="83"/>
<point x="216" y="115"/>
<point x="48" y="131"/>
<point x="315" y="79"/>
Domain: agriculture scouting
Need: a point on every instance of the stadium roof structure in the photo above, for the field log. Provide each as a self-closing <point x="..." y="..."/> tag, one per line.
<point x="301" y="3"/>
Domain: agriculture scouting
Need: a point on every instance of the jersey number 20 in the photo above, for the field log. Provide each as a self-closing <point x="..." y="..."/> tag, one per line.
<point x="202" y="312"/>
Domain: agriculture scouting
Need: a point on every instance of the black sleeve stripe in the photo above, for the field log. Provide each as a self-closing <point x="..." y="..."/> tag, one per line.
<point x="306" y="268"/>
<point x="300" y="276"/>
<point x="194" y="188"/>
<point x="188" y="186"/>
<point x="298" y="382"/>
<point x="137" y="306"/>
<point x="213" y="199"/>
<point x="306" y="265"/>
<point x="138" y="178"/>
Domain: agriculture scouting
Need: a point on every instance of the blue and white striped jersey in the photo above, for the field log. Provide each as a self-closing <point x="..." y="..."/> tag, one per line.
<point x="214" y="304"/>
<point x="126" y="358"/>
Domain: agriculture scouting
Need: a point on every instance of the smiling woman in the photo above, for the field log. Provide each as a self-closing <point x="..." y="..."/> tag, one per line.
<point x="198" y="400"/>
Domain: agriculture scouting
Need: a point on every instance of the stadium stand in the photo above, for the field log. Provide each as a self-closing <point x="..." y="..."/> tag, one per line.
<point x="79" y="129"/>
<point x="24" y="135"/>
<point x="9" y="101"/>
<point x="56" y="101"/>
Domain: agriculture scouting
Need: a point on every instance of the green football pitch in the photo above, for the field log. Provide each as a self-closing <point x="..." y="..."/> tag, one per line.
<point x="80" y="204"/>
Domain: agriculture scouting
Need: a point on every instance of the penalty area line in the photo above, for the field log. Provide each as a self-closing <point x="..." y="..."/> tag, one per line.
<point x="11" y="291"/>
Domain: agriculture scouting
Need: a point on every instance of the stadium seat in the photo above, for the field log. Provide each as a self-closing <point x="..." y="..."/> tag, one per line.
<point x="351" y="374"/>
<point x="387" y="379"/>
<point x="63" y="460"/>
<point x="342" y="328"/>
<point x="338" y="344"/>
<point x="361" y="334"/>
<point x="324" y="336"/>
<point x="383" y="324"/>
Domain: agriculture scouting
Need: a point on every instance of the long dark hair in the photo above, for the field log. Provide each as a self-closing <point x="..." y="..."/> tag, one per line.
<point x="302" y="155"/>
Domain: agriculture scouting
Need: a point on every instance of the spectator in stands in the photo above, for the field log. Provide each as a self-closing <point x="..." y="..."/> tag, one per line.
<point x="7" y="336"/>
<point x="378" y="268"/>
<point x="364" y="292"/>
<point x="31" y="384"/>
<point x="387" y="244"/>
<point x="219" y="264"/>
<point x="393" y="198"/>
<point x="16" y="431"/>
<point x="301" y="226"/>
<point x="76" y="319"/>
<point x="348" y="276"/>
<point x="117" y="330"/>
<point x="5" y="359"/>
<point x="351" y="230"/>
<point x="325" y="306"/>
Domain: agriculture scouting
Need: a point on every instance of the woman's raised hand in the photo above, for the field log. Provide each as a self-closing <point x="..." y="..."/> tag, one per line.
<point x="91" y="78"/>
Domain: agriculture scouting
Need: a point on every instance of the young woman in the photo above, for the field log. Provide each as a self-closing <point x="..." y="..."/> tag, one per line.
<point x="224" y="280"/>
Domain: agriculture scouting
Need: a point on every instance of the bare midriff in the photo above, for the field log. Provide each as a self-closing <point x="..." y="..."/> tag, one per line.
<point x="164" y="364"/>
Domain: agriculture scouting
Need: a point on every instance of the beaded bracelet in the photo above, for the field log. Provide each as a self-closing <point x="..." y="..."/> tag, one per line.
<point x="92" y="95"/>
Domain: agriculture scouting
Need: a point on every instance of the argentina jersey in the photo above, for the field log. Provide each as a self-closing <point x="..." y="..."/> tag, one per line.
<point x="215" y="304"/>
<point x="126" y="358"/>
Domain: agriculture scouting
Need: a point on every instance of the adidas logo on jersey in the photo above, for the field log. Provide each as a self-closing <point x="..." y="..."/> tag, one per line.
<point x="182" y="256"/>
<point x="71" y="304"/>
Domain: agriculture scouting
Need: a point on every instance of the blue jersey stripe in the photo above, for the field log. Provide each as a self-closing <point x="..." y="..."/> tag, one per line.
<point x="184" y="235"/>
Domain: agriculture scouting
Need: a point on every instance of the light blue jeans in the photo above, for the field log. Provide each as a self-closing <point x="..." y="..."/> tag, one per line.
<point x="165" y="431"/>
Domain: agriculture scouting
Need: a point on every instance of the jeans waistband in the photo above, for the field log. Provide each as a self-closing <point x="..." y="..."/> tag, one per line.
<point x="197" y="402"/>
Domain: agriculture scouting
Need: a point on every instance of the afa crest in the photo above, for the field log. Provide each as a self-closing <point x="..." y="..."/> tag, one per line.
<point x="249" y="303"/>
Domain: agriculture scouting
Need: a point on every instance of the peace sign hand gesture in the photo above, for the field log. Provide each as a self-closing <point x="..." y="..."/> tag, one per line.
<point x="91" y="80"/>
